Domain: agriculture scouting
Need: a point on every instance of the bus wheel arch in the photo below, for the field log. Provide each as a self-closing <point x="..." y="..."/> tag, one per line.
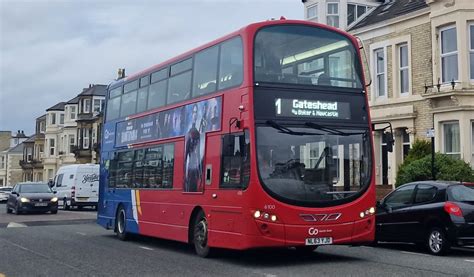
<point x="198" y="232"/>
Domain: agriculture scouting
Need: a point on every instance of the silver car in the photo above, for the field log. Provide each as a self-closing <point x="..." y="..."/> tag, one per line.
<point x="4" y="192"/>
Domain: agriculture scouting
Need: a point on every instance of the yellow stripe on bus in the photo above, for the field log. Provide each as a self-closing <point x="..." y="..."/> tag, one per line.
<point x="137" y="199"/>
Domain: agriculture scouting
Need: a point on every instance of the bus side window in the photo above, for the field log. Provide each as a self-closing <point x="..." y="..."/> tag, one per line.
<point x="235" y="161"/>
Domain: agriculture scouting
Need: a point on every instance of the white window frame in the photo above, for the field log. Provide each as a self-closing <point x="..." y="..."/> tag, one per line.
<point x="314" y="18"/>
<point x="61" y="118"/>
<point x="85" y="138"/>
<point x="72" y="111"/>
<point x="42" y="128"/>
<point x="472" y="144"/>
<point x="470" y="50"/>
<point x="100" y="104"/>
<point x="384" y="73"/>
<point x="71" y="141"/>
<point x="52" y="116"/>
<point x="443" y="55"/>
<point x="53" y="148"/>
<point x="2" y="162"/>
<point x="400" y="68"/>
<point x="333" y="14"/>
<point x="85" y="106"/>
<point x="356" y="16"/>
<point x="443" y="124"/>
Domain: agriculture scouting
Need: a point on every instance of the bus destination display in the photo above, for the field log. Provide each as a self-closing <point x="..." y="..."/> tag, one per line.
<point x="312" y="108"/>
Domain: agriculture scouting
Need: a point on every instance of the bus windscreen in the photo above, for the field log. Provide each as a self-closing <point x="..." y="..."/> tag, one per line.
<point x="305" y="55"/>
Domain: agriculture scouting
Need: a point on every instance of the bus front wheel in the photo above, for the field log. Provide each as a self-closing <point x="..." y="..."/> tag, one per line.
<point x="200" y="235"/>
<point x="120" y="224"/>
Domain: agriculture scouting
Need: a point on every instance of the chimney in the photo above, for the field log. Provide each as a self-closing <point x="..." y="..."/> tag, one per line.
<point x="121" y="73"/>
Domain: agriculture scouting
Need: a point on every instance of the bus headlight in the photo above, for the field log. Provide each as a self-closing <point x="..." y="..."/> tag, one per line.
<point x="54" y="199"/>
<point x="273" y="218"/>
<point x="369" y="211"/>
<point x="24" y="200"/>
<point x="257" y="214"/>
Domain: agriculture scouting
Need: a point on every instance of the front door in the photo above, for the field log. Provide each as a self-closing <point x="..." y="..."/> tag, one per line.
<point x="393" y="222"/>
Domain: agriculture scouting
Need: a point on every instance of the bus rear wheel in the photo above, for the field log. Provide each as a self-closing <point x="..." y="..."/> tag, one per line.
<point x="121" y="224"/>
<point x="200" y="235"/>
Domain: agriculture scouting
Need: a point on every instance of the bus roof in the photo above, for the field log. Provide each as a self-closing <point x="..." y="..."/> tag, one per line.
<point x="246" y="29"/>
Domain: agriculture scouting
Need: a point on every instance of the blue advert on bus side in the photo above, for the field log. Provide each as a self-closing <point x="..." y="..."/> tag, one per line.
<point x="163" y="125"/>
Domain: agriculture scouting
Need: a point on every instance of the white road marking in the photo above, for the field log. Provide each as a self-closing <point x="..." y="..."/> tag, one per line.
<point x="471" y="261"/>
<point x="414" y="253"/>
<point x="82" y="234"/>
<point x="15" y="225"/>
<point x="146" y="248"/>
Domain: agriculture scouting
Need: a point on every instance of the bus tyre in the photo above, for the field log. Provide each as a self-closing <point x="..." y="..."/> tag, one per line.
<point x="200" y="235"/>
<point x="121" y="224"/>
<point x="438" y="243"/>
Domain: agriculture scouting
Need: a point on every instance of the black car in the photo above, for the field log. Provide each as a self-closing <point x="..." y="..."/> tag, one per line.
<point x="32" y="197"/>
<point x="433" y="214"/>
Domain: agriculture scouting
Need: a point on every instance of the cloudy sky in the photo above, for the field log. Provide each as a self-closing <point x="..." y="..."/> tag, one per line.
<point x="51" y="49"/>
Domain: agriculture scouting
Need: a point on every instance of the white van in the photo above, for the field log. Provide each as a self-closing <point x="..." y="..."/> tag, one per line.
<point x="77" y="185"/>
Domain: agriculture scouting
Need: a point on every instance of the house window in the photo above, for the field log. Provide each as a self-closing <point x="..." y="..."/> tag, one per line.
<point x="85" y="139"/>
<point x="2" y="162"/>
<point x="333" y="15"/>
<point x="86" y="105"/>
<point x="472" y="144"/>
<point x="97" y="105"/>
<point x="51" y="147"/>
<point x="379" y="55"/>
<point x="29" y="154"/>
<point x="404" y="74"/>
<point x="72" y="143"/>
<point x="452" y="140"/>
<point x="61" y="118"/>
<point x="449" y="55"/>
<point x="405" y="143"/>
<point x="471" y="50"/>
<point x="354" y="12"/>
<point x="42" y="127"/>
<point x="312" y="12"/>
<point x="53" y="118"/>
<point x="72" y="111"/>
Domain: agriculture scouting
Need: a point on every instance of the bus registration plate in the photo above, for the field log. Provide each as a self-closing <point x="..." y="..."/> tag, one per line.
<point x="318" y="241"/>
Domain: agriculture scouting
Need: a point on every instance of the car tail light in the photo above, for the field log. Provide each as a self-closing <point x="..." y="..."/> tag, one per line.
<point x="452" y="208"/>
<point x="73" y="192"/>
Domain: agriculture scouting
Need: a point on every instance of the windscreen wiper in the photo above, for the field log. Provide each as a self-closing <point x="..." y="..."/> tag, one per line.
<point x="286" y="130"/>
<point x="331" y="130"/>
<point x="327" y="129"/>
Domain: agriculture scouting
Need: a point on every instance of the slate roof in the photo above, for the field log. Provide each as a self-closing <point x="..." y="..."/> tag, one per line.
<point x="99" y="90"/>
<point x="57" y="107"/>
<point x="31" y="139"/>
<point x="390" y="9"/>
<point x="73" y="101"/>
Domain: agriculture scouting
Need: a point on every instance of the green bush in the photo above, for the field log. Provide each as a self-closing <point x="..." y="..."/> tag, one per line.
<point x="419" y="149"/>
<point x="446" y="168"/>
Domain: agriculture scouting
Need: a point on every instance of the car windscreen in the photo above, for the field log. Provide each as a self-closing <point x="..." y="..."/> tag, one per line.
<point x="34" y="188"/>
<point x="461" y="193"/>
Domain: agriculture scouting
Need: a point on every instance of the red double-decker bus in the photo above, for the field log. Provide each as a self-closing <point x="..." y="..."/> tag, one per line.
<point x="261" y="138"/>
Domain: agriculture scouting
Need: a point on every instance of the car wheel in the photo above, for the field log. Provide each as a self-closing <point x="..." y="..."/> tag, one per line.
<point x="438" y="243"/>
<point x="121" y="224"/>
<point x="17" y="209"/>
<point x="9" y="211"/>
<point x="66" y="207"/>
<point x="54" y="212"/>
<point x="200" y="235"/>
